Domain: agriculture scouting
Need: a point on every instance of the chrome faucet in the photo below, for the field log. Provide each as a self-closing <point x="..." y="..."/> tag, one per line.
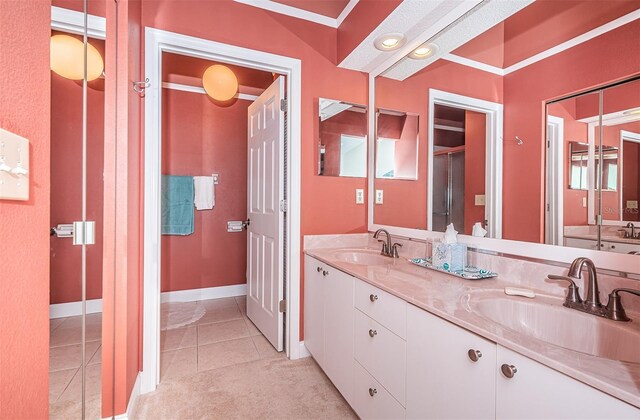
<point x="388" y="250"/>
<point x="631" y="235"/>
<point x="591" y="304"/>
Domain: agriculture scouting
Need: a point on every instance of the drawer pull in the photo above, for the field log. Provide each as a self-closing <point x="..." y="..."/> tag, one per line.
<point x="319" y="269"/>
<point x="373" y="297"/>
<point x="508" y="370"/>
<point x="324" y="273"/>
<point x="373" y="391"/>
<point x="474" y="355"/>
<point x="373" y="333"/>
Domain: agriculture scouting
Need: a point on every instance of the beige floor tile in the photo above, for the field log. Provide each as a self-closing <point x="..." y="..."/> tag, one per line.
<point x="71" y="333"/>
<point x="93" y="384"/>
<point x="97" y="357"/>
<point x="220" y="313"/>
<point x="242" y="304"/>
<point x="55" y="323"/>
<point x="253" y="330"/>
<point x="177" y="363"/>
<point x="218" y="303"/>
<point x="68" y="409"/>
<point x="226" y="353"/>
<point x="265" y="349"/>
<point x="76" y="321"/>
<point x="222" y="331"/>
<point x="178" y="338"/>
<point x="67" y="357"/>
<point x="58" y="382"/>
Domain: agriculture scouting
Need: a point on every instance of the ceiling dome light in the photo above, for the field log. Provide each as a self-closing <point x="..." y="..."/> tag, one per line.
<point x="220" y="82"/>
<point x="423" y="51"/>
<point x="389" y="42"/>
<point x="67" y="58"/>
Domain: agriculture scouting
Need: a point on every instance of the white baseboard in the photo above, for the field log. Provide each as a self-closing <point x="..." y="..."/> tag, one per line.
<point x="303" y="352"/>
<point x="133" y="400"/>
<point x="63" y="310"/>
<point x="192" y="295"/>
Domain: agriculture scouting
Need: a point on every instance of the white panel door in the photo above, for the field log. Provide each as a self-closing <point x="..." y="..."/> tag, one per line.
<point x="265" y="187"/>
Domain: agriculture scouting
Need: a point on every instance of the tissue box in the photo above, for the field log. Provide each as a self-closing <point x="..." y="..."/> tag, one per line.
<point x="450" y="257"/>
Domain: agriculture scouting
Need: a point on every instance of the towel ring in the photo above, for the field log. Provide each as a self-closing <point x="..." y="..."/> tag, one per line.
<point x="139" y="87"/>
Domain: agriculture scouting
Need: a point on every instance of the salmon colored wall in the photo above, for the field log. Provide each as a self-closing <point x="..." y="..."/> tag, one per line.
<point x="24" y="225"/>
<point x="331" y="131"/>
<point x="405" y="202"/>
<point x="66" y="187"/>
<point x="315" y="46"/>
<point x="475" y="150"/>
<point x="201" y="138"/>
<point x="405" y="161"/>
<point x="618" y="56"/>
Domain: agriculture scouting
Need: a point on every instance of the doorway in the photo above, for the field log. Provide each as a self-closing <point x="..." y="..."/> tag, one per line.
<point x="157" y="43"/>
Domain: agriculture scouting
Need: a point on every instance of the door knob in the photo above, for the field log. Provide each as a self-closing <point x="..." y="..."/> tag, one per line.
<point x="319" y="269"/>
<point x="474" y="355"/>
<point x="373" y="297"/>
<point x="324" y="273"/>
<point x="508" y="370"/>
<point x="373" y="333"/>
<point x="373" y="391"/>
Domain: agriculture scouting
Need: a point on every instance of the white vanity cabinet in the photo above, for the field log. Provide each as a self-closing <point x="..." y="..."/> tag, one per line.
<point x="620" y="247"/>
<point x="451" y="371"/>
<point x="528" y="389"/>
<point x="328" y="322"/>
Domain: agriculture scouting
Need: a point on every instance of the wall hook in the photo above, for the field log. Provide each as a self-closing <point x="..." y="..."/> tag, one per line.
<point x="519" y="141"/>
<point x="139" y="87"/>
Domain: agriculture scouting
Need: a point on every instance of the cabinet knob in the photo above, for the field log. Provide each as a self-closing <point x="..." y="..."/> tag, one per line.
<point x="474" y="355"/>
<point x="508" y="370"/>
<point x="373" y="391"/>
<point x="324" y="273"/>
<point x="373" y="333"/>
<point x="319" y="269"/>
<point x="613" y="247"/>
<point x="373" y="297"/>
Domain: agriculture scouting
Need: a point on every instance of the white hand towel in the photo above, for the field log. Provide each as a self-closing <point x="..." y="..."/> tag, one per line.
<point x="205" y="197"/>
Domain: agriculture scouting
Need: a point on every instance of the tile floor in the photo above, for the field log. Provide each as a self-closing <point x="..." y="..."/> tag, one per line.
<point x="222" y="367"/>
<point x="65" y="360"/>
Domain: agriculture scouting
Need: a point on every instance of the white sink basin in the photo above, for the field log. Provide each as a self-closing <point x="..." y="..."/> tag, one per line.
<point x="362" y="257"/>
<point x="546" y="319"/>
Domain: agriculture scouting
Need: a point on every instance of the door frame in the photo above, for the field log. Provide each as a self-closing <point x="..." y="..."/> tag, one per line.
<point x="156" y="42"/>
<point x="493" y="157"/>
<point x="554" y="202"/>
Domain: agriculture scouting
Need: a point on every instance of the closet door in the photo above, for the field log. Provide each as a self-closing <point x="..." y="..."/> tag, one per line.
<point x="265" y="230"/>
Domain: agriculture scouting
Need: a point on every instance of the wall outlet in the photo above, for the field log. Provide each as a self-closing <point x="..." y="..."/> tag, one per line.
<point x="480" y="200"/>
<point x="379" y="196"/>
<point x="632" y="204"/>
<point x="14" y="167"/>
<point x="359" y="196"/>
<point x="584" y="201"/>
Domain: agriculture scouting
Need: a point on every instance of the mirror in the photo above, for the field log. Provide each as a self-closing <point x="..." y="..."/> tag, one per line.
<point x="501" y="66"/>
<point x="396" y="145"/>
<point x="342" y="139"/>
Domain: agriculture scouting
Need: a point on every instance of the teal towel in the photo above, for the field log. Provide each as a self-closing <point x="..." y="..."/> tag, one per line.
<point x="177" y="205"/>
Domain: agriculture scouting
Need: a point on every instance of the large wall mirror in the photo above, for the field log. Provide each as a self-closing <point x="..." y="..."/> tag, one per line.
<point x="504" y="140"/>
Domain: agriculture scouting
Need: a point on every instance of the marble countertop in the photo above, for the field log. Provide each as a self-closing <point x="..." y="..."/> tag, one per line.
<point x="448" y="297"/>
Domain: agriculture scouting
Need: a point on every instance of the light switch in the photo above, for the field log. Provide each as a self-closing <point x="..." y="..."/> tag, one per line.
<point x="479" y="199"/>
<point x="14" y="166"/>
<point x="379" y="196"/>
<point x="632" y="204"/>
<point x="584" y="201"/>
<point x="359" y="196"/>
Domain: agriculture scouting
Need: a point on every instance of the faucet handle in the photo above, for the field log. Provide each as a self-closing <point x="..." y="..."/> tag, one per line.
<point x="573" y="295"/>
<point x="394" y="250"/>
<point x="385" y="248"/>
<point x="614" y="309"/>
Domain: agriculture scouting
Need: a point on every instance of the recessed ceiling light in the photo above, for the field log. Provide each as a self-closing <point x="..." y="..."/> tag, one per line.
<point x="424" y="51"/>
<point x="389" y="42"/>
<point x="632" y="111"/>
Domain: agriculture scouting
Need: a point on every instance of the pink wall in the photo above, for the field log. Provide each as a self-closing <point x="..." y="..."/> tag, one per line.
<point x="405" y="151"/>
<point x="331" y="131"/>
<point x="66" y="188"/>
<point x="24" y="254"/>
<point x="311" y="43"/>
<point x="475" y="150"/>
<point x="411" y="95"/>
<point x="202" y="138"/>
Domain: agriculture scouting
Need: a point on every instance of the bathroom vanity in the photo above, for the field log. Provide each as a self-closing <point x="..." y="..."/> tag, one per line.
<point x="401" y="341"/>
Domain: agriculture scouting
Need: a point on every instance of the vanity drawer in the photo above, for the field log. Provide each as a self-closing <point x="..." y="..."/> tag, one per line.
<point x="381" y="353"/>
<point x="383" y="307"/>
<point x="371" y="400"/>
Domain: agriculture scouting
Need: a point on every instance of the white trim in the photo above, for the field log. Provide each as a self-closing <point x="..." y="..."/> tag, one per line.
<point x="624" y="136"/>
<point x="475" y="64"/>
<point x="156" y="42"/>
<point x="303" y="352"/>
<point x="193" y="295"/>
<point x="72" y="21"/>
<point x="196" y="89"/>
<point x="63" y="310"/>
<point x="295" y="12"/>
<point x="493" y="164"/>
<point x="554" y="222"/>
<point x="613" y="118"/>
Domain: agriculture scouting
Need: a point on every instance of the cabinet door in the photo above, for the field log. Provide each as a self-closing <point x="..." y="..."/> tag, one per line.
<point x="442" y="380"/>
<point x="314" y="308"/>
<point x="536" y="391"/>
<point x="371" y="400"/>
<point x="338" y="330"/>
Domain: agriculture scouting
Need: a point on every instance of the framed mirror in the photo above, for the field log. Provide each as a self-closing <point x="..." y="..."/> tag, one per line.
<point x="342" y="139"/>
